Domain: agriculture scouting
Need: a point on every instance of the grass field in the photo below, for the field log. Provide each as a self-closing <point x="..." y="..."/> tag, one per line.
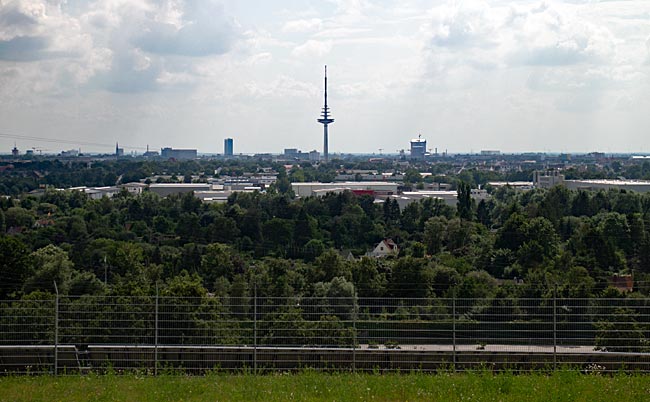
<point x="312" y="386"/>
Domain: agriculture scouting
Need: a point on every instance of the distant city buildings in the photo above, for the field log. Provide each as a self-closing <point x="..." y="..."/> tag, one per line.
<point x="490" y="152"/>
<point x="552" y="178"/>
<point x="118" y="151"/>
<point x="547" y="179"/>
<point x="15" y="152"/>
<point x="73" y="153"/>
<point x="170" y="153"/>
<point x="150" y="154"/>
<point x="228" y="147"/>
<point x="418" y="148"/>
<point x="292" y="153"/>
<point x="296" y="154"/>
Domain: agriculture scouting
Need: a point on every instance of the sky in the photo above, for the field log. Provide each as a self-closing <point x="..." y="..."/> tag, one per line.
<point x="515" y="76"/>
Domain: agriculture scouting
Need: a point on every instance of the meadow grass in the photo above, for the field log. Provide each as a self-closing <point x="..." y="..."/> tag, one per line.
<point x="313" y="386"/>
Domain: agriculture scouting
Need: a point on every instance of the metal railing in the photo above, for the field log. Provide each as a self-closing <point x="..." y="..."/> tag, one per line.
<point x="76" y="334"/>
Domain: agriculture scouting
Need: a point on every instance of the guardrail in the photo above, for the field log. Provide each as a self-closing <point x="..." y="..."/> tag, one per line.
<point x="73" y="334"/>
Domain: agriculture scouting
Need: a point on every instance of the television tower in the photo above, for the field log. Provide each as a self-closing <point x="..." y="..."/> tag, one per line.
<point x="325" y="120"/>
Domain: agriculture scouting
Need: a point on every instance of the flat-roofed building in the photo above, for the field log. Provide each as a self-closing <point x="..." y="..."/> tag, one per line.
<point x="316" y="188"/>
<point x="165" y="189"/>
<point x="171" y="153"/>
<point x="449" y="197"/>
<point x="134" y="187"/>
<point x="641" y="186"/>
<point x="547" y="179"/>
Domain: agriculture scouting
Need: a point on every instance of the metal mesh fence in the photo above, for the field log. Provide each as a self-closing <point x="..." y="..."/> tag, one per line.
<point x="78" y="334"/>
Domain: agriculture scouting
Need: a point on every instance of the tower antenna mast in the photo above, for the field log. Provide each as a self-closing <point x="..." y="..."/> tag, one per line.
<point x="325" y="120"/>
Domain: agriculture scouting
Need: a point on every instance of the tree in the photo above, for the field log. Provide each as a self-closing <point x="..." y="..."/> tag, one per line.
<point x="329" y="265"/>
<point x="219" y="260"/>
<point x="556" y="204"/>
<point x="338" y="297"/>
<point x="304" y="228"/>
<point x="540" y="242"/>
<point x="184" y="285"/>
<point x="50" y="264"/>
<point x="477" y="284"/>
<point x="282" y="183"/>
<point x="19" y="217"/>
<point x="621" y="332"/>
<point x="15" y="265"/>
<point x="458" y="235"/>
<point x="511" y="234"/>
<point x="278" y="232"/>
<point x="443" y="279"/>
<point x="391" y="212"/>
<point x="411" y="277"/>
<point x="483" y="213"/>
<point x="434" y="234"/>
<point x="465" y="203"/>
<point x="313" y="249"/>
<point x="85" y="283"/>
<point x="418" y="249"/>
<point x="412" y="176"/>
<point x="368" y="279"/>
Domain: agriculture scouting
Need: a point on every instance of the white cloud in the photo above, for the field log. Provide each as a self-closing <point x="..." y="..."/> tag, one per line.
<point x="302" y="25"/>
<point x="121" y="45"/>
<point x="499" y="73"/>
<point x="466" y="26"/>
<point x="312" y="48"/>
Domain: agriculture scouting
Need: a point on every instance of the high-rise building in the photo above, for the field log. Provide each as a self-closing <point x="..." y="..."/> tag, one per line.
<point x="418" y="148"/>
<point x="325" y="120"/>
<point x="228" y="147"/>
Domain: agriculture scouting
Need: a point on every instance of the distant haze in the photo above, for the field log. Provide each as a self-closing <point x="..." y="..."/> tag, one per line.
<point x="467" y="75"/>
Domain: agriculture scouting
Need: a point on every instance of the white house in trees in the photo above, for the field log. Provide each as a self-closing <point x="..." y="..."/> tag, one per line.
<point x="385" y="248"/>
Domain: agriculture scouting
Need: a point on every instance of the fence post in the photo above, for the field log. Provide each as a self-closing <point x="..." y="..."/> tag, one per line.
<point x="555" y="327"/>
<point x="354" y="334"/>
<point x="155" y="345"/>
<point x="453" y="325"/>
<point x="56" y="330"/>
<point x="255" y="328"/>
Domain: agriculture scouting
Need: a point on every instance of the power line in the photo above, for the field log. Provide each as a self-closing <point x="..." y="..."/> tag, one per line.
<point x="60" y="141"/>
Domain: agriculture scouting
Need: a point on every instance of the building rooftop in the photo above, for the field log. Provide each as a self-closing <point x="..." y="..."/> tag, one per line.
<point x="179" y="184"/>
<point x="346" y="183"/>
<point x="616" y="182"/>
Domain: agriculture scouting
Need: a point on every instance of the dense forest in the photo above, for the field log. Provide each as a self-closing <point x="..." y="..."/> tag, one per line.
<point x="550" y="240"/>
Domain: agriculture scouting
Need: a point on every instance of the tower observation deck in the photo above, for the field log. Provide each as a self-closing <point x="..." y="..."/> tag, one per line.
<point x="325" y="120"/>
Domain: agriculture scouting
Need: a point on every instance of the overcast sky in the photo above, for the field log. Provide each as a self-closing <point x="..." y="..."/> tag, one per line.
<point x="570" y="76"/>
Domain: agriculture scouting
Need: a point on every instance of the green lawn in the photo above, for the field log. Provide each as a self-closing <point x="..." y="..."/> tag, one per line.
<point x="311" y="386"/>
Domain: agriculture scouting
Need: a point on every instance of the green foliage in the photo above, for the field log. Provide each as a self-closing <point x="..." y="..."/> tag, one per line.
<point x="19" y="217"/>
<point x="621" y="333"/>
<point x="570" y="239"/>
<point x="480" y="385"/>
<point x="465" y="203"/>
<point x="50" y="265"/>
<point x="15" y="265"/>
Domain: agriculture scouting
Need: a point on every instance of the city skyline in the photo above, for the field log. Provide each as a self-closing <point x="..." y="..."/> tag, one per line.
<point x="532" y="76"/>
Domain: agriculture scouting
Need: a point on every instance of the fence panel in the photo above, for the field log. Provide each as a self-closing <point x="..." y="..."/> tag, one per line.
<point x="194" y="334"/>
